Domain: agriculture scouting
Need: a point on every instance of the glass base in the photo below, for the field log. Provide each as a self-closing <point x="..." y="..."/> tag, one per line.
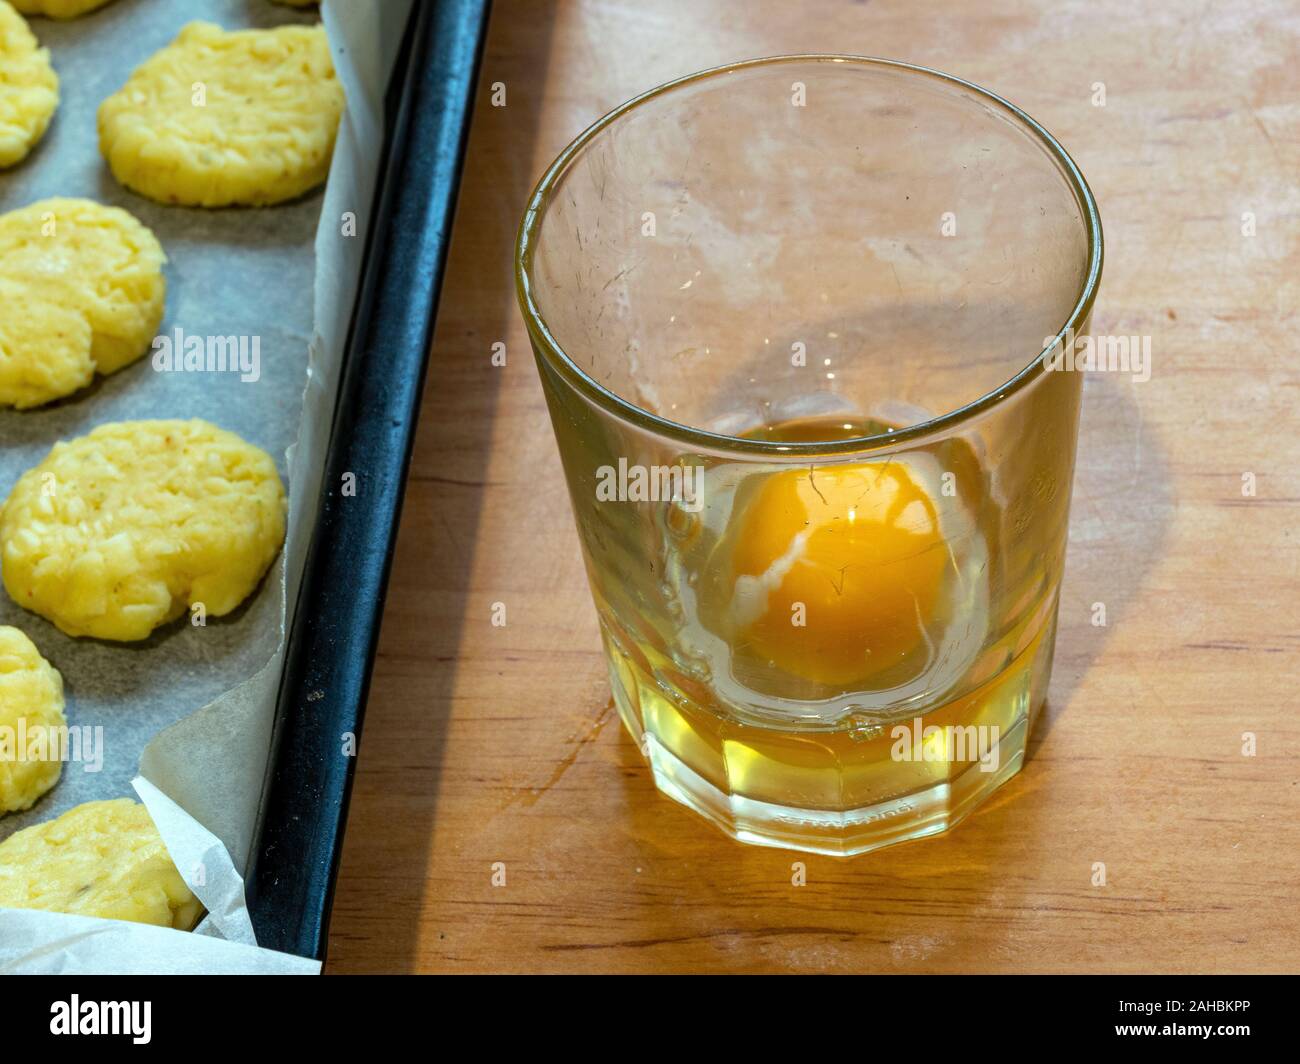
<point x="839" y="833"/>
<point x="856" y="796"/>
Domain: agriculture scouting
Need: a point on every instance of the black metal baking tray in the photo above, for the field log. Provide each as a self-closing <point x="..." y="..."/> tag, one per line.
<point x="331" y="646"/>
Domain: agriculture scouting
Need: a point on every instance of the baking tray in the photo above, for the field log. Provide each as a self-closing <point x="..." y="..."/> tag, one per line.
<point x="331" y="646"/>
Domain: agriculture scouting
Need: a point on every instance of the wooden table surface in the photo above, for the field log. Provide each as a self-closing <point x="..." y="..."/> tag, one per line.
<point x="499" y="744"/>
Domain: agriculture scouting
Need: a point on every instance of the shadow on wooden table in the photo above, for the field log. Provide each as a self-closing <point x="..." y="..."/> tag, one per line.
<point x="1119" y="523"/>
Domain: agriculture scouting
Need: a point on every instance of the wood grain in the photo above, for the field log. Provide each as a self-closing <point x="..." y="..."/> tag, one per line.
<point x="488" y="744"/>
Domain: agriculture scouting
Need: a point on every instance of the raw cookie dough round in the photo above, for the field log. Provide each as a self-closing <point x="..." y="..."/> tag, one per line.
<point x="57" y="8"/>
<point x="219" y="118"/>
<point x="31" y="703"/>
<point x="81" y="290"/>
<point x="102" y="859"/>
<point x="29" y="88"/>
<point x="117" y="532"/>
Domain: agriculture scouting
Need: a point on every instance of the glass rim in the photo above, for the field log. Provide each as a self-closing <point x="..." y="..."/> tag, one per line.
<point x="546" y="343"/>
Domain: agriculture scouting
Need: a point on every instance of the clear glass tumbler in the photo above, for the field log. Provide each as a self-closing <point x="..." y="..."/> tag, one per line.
<point x="795" y="322"/>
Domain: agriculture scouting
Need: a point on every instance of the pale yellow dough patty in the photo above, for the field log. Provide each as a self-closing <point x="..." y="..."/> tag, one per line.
<point x="218" y="118"/>
<point x="31" y="714"/>
<point x="58" y="8"/>
<point x="102" y="859"/>
<point x="117" y="532"/>
<point x="29" y="88"/>
<point x="81" y="290"/>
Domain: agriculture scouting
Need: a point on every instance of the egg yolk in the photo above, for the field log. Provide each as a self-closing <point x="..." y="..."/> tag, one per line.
<point x="837" y="570"/>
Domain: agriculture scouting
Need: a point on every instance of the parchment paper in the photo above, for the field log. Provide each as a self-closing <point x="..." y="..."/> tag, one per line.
<point x="289" y="275"/>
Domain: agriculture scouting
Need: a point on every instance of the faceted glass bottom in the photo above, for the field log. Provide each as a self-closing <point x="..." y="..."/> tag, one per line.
<point x="852" y="795"/>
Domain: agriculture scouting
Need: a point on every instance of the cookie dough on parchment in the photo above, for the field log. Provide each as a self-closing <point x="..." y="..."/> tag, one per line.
<point x="29" y="88"/>
<point x="216" y="118"/>
<point x="59" y="9"/>
<point x="103" y="859"/>
<point x="118" y="532"/>
<point x="31" y="704"/>
<point x="81" y="290"/>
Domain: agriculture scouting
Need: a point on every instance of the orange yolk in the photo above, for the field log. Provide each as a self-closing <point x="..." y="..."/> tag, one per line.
<point x="855" y="553"/>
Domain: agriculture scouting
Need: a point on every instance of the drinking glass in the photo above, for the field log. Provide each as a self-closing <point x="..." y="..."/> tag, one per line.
<point x="795" y="320"/>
